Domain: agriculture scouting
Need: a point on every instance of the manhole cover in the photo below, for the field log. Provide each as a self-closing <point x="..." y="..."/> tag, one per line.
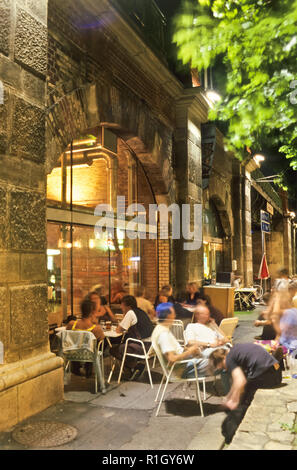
<point x="44" y="434"/>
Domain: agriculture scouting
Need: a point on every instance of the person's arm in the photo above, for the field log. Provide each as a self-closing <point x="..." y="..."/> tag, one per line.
<point x="239" y="381"/>
<point x="203" y="344"/>
<point x="98" y="332"/>
<point x="109" y="313"/>
<point x="173" y="357"/>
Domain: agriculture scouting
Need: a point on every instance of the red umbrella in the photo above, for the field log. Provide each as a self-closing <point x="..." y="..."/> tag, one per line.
<point x="263" y="271"/>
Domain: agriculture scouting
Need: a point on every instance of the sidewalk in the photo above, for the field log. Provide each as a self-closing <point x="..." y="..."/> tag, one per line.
<point x="124" y="418"/>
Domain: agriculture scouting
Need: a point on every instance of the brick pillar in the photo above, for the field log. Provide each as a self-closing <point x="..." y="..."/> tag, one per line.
<point x="31" y="378"/>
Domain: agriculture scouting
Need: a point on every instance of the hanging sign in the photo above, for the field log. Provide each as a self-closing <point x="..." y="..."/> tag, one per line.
<point x="265" y="222"/>
<point x="126" y="256"/>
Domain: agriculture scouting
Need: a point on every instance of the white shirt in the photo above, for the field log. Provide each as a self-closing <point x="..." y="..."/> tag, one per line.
<point x="144" y="304"/>
<point x="199" y="332"/>
<point x="166" y="340"/>
<point x="129" y="320"/>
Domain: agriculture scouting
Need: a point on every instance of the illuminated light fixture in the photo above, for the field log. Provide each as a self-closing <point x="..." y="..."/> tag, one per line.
<point x="258" y="158"/>
<point x="92" y="243"/>
<point x="88" y="149"/>
<point x="292" y="214"/>
<point x="76" y="143"/>
<point x="135" y="258"/>
<point x="213" y="96"/>
<point x="51" y="252"/>
<point x="77" y="244"/>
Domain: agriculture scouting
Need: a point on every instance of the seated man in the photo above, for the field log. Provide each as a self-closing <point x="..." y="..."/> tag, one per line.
<point x="251" y="367"/>
<point x="136" y="324"/>
<point x="170" y="347"/>
<point x="205" y="334"/>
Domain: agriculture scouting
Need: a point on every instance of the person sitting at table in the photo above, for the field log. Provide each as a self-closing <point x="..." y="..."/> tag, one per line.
<point x="180" y="311"/>
<point x="215" y="313"/>
<point x="86" y="323"/>
<point x="102" y="312"/>
<point x="193" y="293"/>
<point x="171" y="348"/>
<point x="205" y="334"/>
<point x="144" y="304"/>
<point x="117" y="292"/>
<point x="138" y="325"/>
<point x="161" y="298"/>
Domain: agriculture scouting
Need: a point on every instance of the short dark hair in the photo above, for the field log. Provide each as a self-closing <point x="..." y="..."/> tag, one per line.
<point x="129" y="301"/>
<point x="87" y="307"/>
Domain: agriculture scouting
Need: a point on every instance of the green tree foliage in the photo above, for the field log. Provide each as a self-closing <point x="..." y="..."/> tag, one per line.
<point x="257" y="40"/>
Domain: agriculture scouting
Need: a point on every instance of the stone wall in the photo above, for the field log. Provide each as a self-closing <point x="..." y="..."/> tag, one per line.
<point x="23" y="288"/>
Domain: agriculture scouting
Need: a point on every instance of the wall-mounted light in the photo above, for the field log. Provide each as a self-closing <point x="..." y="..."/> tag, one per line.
<point x="258" y="158"/>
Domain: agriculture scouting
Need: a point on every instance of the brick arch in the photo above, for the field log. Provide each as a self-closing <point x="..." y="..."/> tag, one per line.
<point x="71" y="113"/>
<point x="224" y="217"/>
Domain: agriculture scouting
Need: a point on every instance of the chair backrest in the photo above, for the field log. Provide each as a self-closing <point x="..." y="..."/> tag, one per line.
<point x="160" y="357"/>
<point x="78" y="345"/>
<point x="177" y="329"/>
<point x="228" y="325"/>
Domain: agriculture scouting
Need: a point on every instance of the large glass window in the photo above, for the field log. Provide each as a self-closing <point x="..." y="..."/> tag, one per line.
<point x="94" y="170"/>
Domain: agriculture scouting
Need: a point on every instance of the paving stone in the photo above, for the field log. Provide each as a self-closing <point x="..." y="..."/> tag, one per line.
<point x="272" y="445"/>
<point x="285" y="437"/>
<point x="292" y="407"/>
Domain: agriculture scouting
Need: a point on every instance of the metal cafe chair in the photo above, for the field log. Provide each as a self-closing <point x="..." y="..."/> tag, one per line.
<point x="168" y="377"/>
<point x="81" y="346"/>
<point x="177" y="329"/>
<point x="145" y="356"/>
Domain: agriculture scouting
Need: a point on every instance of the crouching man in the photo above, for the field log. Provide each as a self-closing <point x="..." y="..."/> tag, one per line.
<point x="250" y="367"/>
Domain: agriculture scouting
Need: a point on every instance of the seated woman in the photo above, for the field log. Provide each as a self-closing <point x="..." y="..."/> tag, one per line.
<point x="144" y="304"/>
<point x="117" y="292"/>
<point x="102" y="312"/>
<point x="161" y="298"/>
<point x="193" y="293"/>
<point x="268" y="332"/>
<point x="279" y="304"/>
<point x="86" y="323"/>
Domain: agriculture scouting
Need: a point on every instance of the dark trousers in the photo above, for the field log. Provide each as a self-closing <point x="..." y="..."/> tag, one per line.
<point x="117" y="351"/>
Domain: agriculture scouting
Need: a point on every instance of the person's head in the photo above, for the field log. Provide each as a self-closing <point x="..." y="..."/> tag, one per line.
<point x="217" y="359"/>
<point x="98" y="288"/>
<point x="165" y="312"/>
<point x="140" y="291"/>
<point x="202" y="314"/>
<point x="128" y="302"/>
<point x="167" y="289"/>
<point x="192" y="287"/>
<point x="204" y="300"/>
<point x="162" y="297"/>
<point x="94" y="297"/>
<point x="87" y="308"/>
<point x="284" y="273"/>
<point x="70" y="318"/>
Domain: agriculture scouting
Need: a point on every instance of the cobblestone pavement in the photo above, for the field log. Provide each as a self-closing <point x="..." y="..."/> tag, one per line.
<point x="272" y="414"/>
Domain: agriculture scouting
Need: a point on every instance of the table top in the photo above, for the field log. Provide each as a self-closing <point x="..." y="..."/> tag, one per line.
<point x="111" y="333"/>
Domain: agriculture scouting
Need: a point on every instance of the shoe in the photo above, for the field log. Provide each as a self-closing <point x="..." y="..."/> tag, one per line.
<point x="137" y="372"/>
<point x="258" y="337"/>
